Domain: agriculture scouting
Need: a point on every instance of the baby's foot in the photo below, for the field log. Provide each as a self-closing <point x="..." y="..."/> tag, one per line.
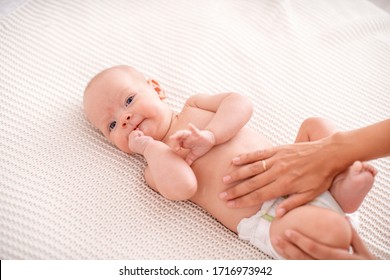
<point x="351" y="187"/>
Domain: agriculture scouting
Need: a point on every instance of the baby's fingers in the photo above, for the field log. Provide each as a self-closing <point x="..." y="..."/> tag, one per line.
<point x="194" y="129"/>
<point x="178" y="138"/>
<point x="180" y="135"/>
<point x="134" y="134"/>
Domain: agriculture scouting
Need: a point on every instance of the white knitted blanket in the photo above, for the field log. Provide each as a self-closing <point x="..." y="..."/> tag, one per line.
<point x="66" y="193"/>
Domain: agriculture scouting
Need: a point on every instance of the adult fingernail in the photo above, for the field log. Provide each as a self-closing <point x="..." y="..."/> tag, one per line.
<point x="226" y="179"/>
<point x="231" y="203"/>
<point x="223" y="195"/>
<point x="280" y="212"/>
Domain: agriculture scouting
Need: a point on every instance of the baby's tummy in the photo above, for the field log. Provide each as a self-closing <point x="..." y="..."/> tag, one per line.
<point x="210" y="170"/>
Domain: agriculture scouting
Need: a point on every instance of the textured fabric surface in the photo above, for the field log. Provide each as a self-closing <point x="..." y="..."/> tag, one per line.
<point x="66" y="193"/>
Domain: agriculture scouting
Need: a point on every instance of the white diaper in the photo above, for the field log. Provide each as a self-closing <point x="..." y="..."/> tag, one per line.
<point x="255" y="229"/>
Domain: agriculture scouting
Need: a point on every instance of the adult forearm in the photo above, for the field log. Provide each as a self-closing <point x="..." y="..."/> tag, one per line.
<point x="303" y="170"/>
<point x="362" y="144"/>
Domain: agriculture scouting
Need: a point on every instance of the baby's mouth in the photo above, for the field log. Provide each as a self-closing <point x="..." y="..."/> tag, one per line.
<point x="137" y="126"/>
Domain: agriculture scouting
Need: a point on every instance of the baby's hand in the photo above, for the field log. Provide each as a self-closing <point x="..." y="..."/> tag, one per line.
<point x="138" y="141"/>
<point x="198" y="141"/>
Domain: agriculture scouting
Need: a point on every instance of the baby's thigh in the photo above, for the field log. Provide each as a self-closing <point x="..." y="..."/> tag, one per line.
<point x="320" y="224"/>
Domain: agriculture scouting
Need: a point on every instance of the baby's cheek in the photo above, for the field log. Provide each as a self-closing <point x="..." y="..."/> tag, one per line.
<point x="123" y="145"/>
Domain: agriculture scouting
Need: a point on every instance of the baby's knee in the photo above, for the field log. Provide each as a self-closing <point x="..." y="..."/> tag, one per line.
<point x="320" y="224"/>
<point x="315" y="128"/>
<point x="315" y="122"/>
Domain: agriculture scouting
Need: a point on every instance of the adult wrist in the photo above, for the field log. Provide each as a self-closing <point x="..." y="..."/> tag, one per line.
<point x="340" y="148"/>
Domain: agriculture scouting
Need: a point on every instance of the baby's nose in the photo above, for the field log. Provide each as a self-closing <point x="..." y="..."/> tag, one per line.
<point x="126" y="118"/>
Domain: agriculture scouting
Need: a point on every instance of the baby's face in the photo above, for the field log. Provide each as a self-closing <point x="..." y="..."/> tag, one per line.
<point x="120" y="100"/>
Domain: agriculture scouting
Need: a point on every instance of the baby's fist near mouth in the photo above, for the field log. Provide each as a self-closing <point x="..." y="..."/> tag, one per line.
<point x="138" y="141"/>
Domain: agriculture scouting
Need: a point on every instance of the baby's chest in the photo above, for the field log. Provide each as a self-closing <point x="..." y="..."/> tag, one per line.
<point x="198" y="117"/>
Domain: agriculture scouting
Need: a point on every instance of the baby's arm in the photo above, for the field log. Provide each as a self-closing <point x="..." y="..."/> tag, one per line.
<point x="167" y="172"/>
<point x="198" y="141"/>
<point x="232" y="112"/>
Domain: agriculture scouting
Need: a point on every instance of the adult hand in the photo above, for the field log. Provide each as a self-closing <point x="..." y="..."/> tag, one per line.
<point x="298" y="246"/>
<point x="303" y="170"/>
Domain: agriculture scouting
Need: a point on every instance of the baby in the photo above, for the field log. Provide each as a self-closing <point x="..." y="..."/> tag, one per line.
<point x="188" y="154"/>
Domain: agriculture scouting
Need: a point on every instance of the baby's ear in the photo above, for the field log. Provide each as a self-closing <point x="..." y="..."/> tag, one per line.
<point x="156" y="86"/>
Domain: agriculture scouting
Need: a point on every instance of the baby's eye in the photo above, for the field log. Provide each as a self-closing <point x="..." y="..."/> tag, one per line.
<point x="112" y="125"/>
<point x="129" y="100"/>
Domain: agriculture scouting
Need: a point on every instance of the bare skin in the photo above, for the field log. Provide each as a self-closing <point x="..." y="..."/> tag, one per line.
<point x="317" y="164"/>
<point x="150" y="131"/>
<point x="351" y="186"/>
<point x="295" y="245"/>
<point x="303" y="170"/>
<point x="188" y="153"/>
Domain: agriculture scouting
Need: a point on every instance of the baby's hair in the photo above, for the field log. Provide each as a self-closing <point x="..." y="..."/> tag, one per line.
<point x="126" y="68"/>
<point x="103" y="72"/>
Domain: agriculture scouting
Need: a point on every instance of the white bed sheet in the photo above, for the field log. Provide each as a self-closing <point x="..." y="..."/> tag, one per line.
<point x="66" y="193"/>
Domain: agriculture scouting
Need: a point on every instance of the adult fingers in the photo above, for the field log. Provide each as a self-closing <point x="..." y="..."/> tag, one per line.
<point x="359" y="247"/>
<point x="317" y="250"/>
<point x="253" y="196"/>
<point x="293" y="201"/>
<point x="357" y="242"/>
<point x="247" y="171"/>
<point x="254" y="156"/>
<point x="288" y="250"/>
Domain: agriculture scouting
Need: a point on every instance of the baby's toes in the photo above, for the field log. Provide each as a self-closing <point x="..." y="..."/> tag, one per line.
<point x="357" y="167"/>
<point x="368" y="167"/>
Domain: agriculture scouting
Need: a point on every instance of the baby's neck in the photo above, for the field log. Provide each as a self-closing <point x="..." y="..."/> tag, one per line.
<point x="171" y="125"/>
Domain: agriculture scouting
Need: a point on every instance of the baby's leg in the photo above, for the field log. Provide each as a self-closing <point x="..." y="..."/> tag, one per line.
<point x="350" y="187"/>
<point x="313" y="129"/>
<point x="320" y="224"/>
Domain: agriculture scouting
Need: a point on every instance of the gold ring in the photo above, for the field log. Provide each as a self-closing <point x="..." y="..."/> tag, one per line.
<point x="264" y="165"/>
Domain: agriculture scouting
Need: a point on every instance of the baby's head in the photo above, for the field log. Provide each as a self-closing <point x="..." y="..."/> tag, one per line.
<point x="119" y="100"/>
